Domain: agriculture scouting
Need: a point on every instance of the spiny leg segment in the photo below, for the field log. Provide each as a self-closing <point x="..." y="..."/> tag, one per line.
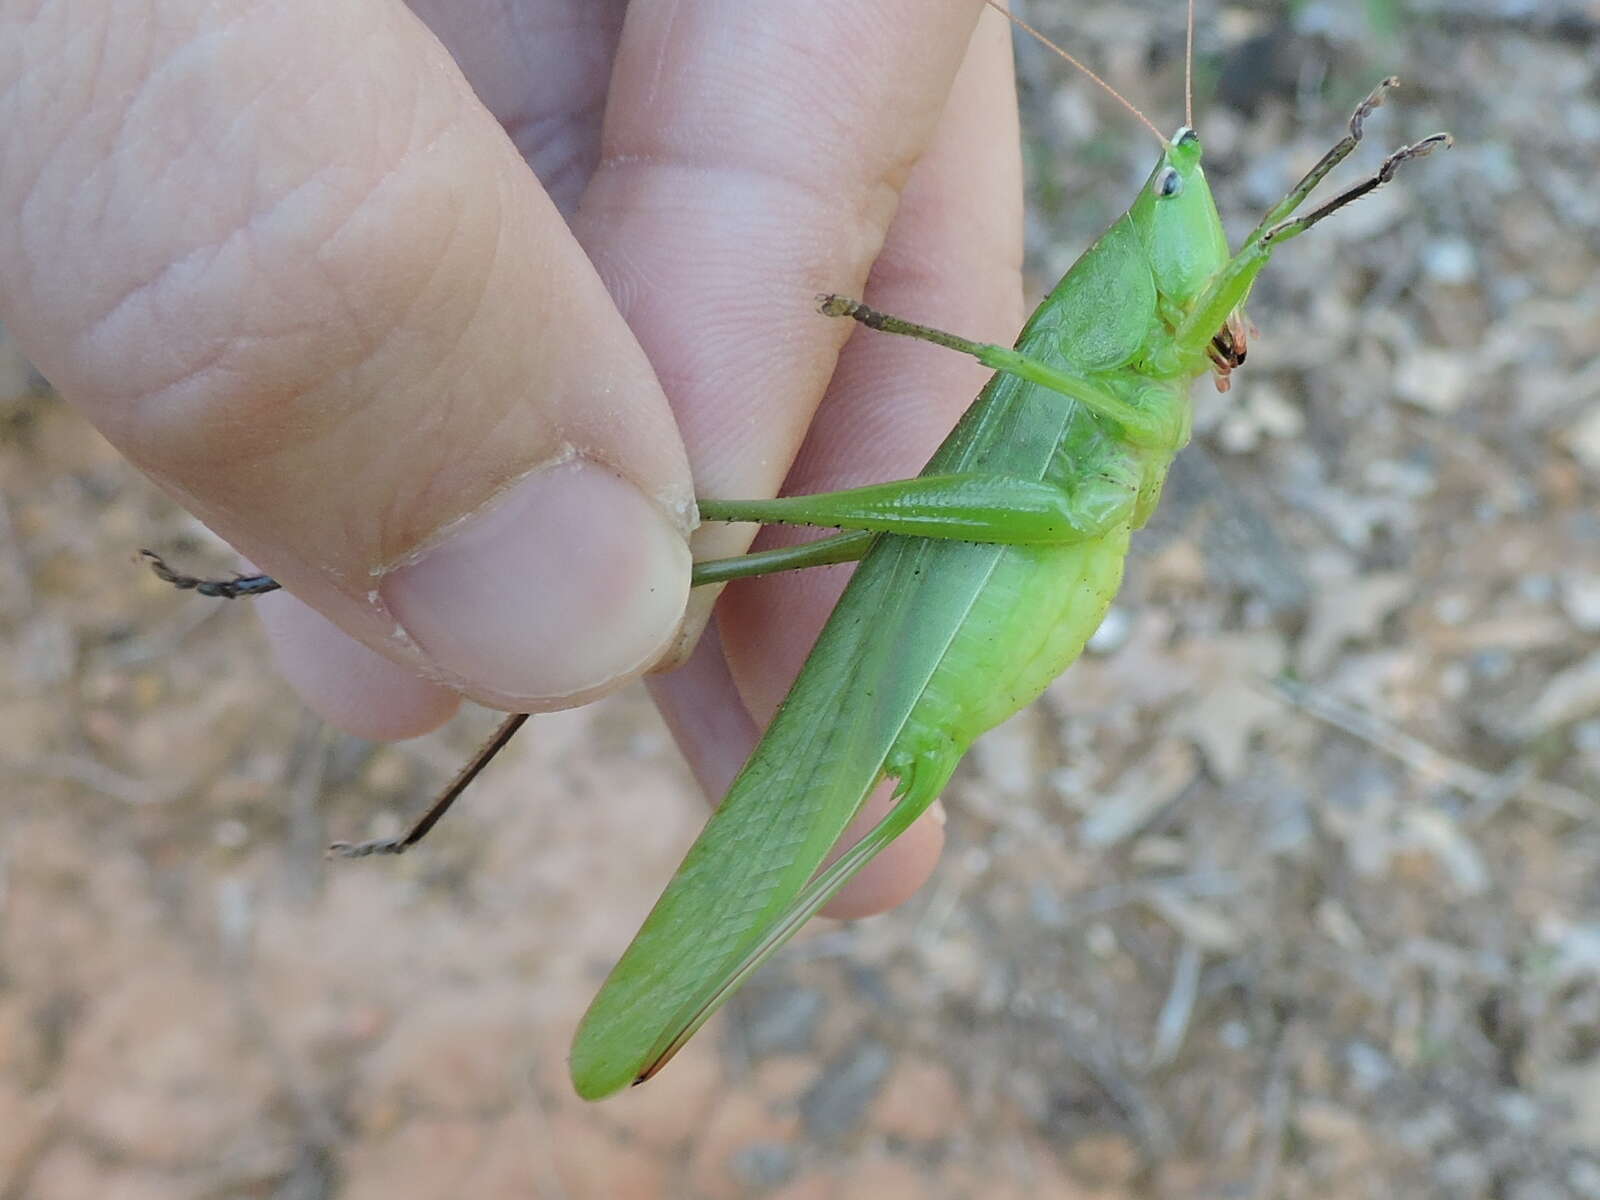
<point x="1140" y="427"/>
<point x="966" y="507"/>
<point x="1336" y="155"/>
<point x="1228" y="289"/>
<point x="221" y="589"/>
<point x="1386" y="172"/>
<point x="440" y="806"/>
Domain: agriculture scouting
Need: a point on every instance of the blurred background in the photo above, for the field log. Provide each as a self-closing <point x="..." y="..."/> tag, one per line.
<point x="1289" y="889"/>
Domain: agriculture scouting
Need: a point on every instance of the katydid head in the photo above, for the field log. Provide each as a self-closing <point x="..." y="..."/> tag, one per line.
<point x="1184" y="243"/>
<point x="1178" y="223"/>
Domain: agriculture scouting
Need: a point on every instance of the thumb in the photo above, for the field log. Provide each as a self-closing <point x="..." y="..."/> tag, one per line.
<point x="291" y="267"/>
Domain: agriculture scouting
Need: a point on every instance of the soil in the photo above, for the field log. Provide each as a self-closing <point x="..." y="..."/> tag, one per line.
<point x="1284" y="891"/>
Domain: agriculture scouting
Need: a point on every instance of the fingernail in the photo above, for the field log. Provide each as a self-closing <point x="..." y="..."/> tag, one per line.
<point x="937" y="813"/>
<point x="570" y="581"/>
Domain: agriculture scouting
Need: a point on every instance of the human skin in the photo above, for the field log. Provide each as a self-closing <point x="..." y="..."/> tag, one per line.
<point x="292" y="260"/>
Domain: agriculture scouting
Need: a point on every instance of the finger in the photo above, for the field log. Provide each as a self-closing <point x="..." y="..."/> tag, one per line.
<point x="542" y="68"/>
<point x="901" y="867"/>
<point x="707" y="718"/>
<point x="952" y="255"/>
<point x="753" y="155"/>
<point x="952" y="259"/>
<point x="286" y="261"/>
<point x="349" y="686"/>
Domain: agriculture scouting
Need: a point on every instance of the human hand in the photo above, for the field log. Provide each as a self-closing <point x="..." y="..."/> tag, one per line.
<point x="290" y="264"/>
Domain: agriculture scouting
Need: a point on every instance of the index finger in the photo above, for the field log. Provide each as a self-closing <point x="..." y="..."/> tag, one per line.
<point x="753" y="157"/>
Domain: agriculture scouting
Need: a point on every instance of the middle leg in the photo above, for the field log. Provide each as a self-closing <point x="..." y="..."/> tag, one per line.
<point x="1002" y="509"/>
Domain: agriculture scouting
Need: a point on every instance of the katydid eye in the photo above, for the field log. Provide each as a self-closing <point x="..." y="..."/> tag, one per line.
<point x="1169" y="183"/>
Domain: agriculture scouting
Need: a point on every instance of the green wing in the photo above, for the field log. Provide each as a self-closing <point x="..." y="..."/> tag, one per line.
<point x="741" y="891"/>
<point x="789" y="805"/>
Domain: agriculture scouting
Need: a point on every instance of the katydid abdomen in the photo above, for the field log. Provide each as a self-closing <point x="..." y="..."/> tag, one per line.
<point x="1042" y="605"/>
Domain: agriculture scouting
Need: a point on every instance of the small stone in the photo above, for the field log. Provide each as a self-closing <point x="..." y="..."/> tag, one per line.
<point x="1492" y="665"/>
<point x="1273" y="411"/>
<point x="1101" y="940"/>
<point x="1583" y="439"/>
<point x="1453" y="608"/>
<point x="1450" y="261"/>
<point x="836" y="1102"/>
<point x="1411" y="479"/>
<point x="956" y="963"/>
<point x="781" y="1020"/>
<point x="1462" y="1173"/>
<point x="1113" y="632"/>
<point x="1425" y="1131"/>
<point x="1369" y="1067"/>
<point x="763" y="1164"/>
<point x="1436" y="381"/>
<point x="1583" y="1177"/>
<point x="1520" y="1111"/>
<point x="809" y="1187"/>
<point x="1455" y="680"/>
<point x="1580" y="600"/>
<point x="1045" y="905"/>
<point x="1537" y="587"/>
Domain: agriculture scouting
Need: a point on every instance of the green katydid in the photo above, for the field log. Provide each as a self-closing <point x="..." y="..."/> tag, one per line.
<point x="979" y="582"/>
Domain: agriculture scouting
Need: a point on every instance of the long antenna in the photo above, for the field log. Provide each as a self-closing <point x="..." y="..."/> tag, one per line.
<point x="1188" y="71"/>
<point x="1049" y="45"/>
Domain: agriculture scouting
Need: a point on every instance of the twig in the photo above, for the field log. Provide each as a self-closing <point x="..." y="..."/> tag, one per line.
<point x="1172" y="1025"/>
<point x="94" y="775"/>
<point x="1276" y="1099"/>
<point x="13" y="562"/>
<point x="1488" y="791"/>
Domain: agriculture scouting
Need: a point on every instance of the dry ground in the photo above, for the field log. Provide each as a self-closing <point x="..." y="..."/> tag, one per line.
<point x="1290" y="890"/>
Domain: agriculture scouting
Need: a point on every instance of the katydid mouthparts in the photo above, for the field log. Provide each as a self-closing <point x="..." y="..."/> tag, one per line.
<point x="979" y="582"/>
